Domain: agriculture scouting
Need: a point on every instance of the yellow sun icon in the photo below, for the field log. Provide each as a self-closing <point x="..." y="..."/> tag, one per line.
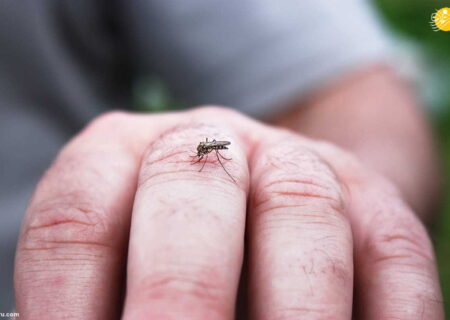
<point x="440" y="20"/>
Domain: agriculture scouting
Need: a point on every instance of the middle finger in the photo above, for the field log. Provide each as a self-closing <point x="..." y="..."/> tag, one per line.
<point x="186" y="242"/>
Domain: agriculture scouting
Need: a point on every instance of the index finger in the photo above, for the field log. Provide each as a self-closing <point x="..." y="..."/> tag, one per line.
<point x="72" y="246"/>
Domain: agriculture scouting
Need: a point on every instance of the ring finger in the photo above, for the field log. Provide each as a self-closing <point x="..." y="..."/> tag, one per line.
<point x="300" y="240"/>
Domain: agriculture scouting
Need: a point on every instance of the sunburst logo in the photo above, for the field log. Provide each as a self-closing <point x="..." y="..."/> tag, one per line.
<point x="440" y="20"/>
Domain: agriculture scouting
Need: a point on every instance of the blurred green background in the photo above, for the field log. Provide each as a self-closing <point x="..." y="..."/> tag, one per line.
<point x="425" y="56"/>
<point x="409" y="24"/>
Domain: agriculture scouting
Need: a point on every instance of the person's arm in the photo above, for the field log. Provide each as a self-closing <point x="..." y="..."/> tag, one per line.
<point x="374" y="115"/>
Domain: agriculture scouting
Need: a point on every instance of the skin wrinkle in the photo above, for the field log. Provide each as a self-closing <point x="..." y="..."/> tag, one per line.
<point x="61" y="268"/>
<point x="297" y="184"/>
<point x="394" y="257"/>
<point x="296" y="181"/>
<point x="336" y="207"/>
<point x="64" y="256"/>
<point x="67" y="209"/>
<point x="302" y="194"/>
<point x="407" y="238"/>
<point x="200" y="289"/>
<point x="36" y="235"/>
<point x="83" y="200"/>
<point x="71" y="221"/>
<point x="294" y="221"/>
<point x="149" y="181"/>
<point x="403" y="241"/>
<point x="164" y="284"/>
<point x="41" y="237"/>
<point x="59" y="259"/>
<point x="278" y="207"/>
<point x="172" y="153"/>
<point x="299" y="195"/>
<point x="410" y="255"/>
<point x="407" y="307"/>
<point x="90" y="243"/>
<point x="324" y="151"/>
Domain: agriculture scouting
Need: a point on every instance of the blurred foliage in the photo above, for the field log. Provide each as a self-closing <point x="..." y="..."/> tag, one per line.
<point x="442" y="228"/>
<point x="411" y="20"/>
<point x="150" y="94"/>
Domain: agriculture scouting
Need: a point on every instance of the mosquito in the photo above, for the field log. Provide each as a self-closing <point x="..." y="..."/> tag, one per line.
<point x="204" y="148"/>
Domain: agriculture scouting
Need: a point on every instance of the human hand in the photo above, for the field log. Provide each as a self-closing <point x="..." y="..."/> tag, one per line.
<point x="122" y="202"/>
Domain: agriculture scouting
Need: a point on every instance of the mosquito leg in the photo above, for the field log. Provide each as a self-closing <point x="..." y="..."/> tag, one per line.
<point x="217" y="155"/>
<point x="204" y="162"/>
<point x="222" y="156"/>
<point x="199" y="159"/>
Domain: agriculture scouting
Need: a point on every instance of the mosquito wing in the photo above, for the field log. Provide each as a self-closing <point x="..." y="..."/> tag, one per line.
<point x="220" y="143"/>
<point x="214" y="144"/>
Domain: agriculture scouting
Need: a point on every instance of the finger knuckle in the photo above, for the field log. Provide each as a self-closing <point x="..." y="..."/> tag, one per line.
<point x="66" y="222"/>
<point x="108" y="121"/>
<point x="400" y="241"/>
<point x="163" y="165"/>
<point x="299" y="180"/>
<point x="171" y="149"/>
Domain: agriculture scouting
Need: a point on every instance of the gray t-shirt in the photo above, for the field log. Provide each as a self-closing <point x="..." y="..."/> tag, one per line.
<point x="62" y="62"/>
